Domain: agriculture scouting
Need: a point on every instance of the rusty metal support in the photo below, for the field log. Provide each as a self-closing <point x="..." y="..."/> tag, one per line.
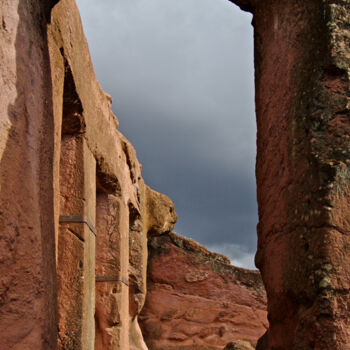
<point x="78" y="219"/>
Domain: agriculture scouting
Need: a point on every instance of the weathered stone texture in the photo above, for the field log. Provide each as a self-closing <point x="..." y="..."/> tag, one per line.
<point x="124" y="216"/>
<point x="197" y="300"/>
<point x="54" y="116"/>
<point x="302" y="103"/>
<point x="72" y="197"/>
<point x="27" y="263"/>
<point x="238" y="345"/>
<point x="76" y="245"/>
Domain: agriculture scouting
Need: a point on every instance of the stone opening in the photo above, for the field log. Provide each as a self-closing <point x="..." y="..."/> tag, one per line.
<point x="72" y="117"/>
<point x="163" y="142"/>
<point x="106" y="182"/>
<point x="302" y="172"/>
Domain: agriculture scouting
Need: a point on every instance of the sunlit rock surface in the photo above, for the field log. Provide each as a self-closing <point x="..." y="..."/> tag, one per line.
<point x="75" y="213"/>
<point x="196" y="299"/>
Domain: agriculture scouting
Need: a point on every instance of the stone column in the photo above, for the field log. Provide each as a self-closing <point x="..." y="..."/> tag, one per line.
<point x="76" y="245"/>
<point x="112" y="261"/>
<point x="302" y="58"/>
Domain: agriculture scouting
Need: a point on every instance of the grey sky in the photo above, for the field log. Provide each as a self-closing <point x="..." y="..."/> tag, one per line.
<point x="181" y="77"/>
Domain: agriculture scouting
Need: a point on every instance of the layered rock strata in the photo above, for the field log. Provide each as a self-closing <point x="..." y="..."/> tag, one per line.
<point x="302" y="61"/>
<point x="75" y="212"/>
<point x="197" y="300"/>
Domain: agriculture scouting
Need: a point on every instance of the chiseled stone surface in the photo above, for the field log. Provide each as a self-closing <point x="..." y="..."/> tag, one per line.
<point x="302" y="59"/>
<point x="75" y="213"/>
<point x="50" y="95"/>
<point x="197" y="300"/>
<point x="126" y="210"/>
<point x="27" y="256"/>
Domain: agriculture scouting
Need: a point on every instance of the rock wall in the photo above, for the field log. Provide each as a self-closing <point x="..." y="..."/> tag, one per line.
<point x="197" y="300"/>
<point x="75" y="212"/>
<point x="27" y="225"/>
<point x="302" y="59"/>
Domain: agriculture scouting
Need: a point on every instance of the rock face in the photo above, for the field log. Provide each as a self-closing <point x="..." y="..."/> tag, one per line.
<point x="302" y="61"/>
<point x="75" y="213"/>
<point x="197" y="300"/>
<point x="239" y="345"/>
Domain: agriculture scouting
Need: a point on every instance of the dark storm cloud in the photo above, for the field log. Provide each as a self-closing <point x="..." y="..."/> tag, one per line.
<point x="181" y="75"/>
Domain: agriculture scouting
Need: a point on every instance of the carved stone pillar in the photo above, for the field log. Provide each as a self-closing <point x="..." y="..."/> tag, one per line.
<point x="302" y="61"/>
<point x="76" y="245"/>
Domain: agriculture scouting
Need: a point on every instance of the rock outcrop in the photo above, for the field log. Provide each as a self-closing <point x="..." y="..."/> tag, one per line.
<point x="197" y="300"/>
<point x="75" y="212"/>
<point x="302" y="70"/>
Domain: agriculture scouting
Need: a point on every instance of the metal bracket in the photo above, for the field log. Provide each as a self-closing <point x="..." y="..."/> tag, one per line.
<point x="112" y="279"/>
<point x="79" y="220"/>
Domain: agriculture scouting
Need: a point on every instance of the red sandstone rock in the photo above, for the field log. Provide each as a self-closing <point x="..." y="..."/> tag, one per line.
<point x="196" y="299"/>
<point x="27" y="256"/>
<point x="302" y="70"/>
<point x="100" y="181"/>
<point x="72" y="194"/>
<point x="239" y="345"/>
<point x="48" y="86"/>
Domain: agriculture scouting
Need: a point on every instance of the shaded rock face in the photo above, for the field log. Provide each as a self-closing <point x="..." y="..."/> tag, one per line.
<point x="302" y="58"/>
<point x="197" y="300"/>
<point x="27" y="256"/>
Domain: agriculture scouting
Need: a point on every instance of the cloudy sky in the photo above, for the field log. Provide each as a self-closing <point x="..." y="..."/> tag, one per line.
<point x="181" y="77"/>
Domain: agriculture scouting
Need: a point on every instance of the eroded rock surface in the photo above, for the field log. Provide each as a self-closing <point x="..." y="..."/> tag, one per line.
<point x="239" y="345"/>
<point x="197" y="300"/>
<point x="302" y="70"/>
<point x="75" y="213"/>
<point x="67" y="173"/>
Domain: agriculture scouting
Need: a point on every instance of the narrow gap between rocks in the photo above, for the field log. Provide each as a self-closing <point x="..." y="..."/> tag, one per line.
<point x="181" y="74"/>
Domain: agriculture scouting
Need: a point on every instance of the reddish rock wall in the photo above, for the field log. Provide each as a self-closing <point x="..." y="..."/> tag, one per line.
<point x="105" y="211"/>
<point x="75" y="213"/>
<point x="238" y="345"/>
<point x="302" y="58"/>
<point x="27" y="255"/>
<point x="197" y="300"/>
<point x="54" y="116"/>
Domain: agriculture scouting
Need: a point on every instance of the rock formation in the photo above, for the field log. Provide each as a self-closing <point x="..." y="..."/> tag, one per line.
<point x="75" y="212"/>
<point x="302" y="61"/>
<point x="197" y="300"/>
<point x="238" y="345"/>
